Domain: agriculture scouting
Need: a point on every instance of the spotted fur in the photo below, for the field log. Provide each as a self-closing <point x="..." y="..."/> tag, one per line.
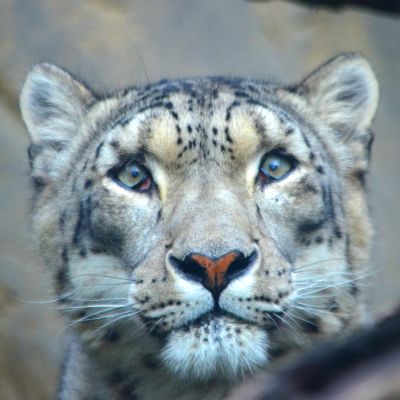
<point x="143" y="327"/>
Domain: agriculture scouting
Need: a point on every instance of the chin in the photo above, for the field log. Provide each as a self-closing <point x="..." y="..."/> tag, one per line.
<point x="216" y="348"/>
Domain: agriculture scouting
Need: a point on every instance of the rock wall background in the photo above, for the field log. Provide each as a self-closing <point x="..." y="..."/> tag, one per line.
<point x="176" y="38"/>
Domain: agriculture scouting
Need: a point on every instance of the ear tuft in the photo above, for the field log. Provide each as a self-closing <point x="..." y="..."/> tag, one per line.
<point x="344" y="92"/>
<point x="53" y="104"/>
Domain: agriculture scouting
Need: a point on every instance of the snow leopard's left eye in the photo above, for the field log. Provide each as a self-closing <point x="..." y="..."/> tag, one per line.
<point x="135" y="177"/>
<point x="274" y="167"/>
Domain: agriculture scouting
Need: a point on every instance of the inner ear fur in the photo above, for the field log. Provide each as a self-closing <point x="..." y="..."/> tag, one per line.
<point x="344" y="92"/>
<point x="53" y="104"/>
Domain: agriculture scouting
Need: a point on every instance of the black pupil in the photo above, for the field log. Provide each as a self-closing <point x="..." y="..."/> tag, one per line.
<point x="274" y="165"/>
<point x="135" y="172"/>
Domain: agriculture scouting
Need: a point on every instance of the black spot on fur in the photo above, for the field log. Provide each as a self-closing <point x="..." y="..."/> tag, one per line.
<point x="354" y="291"/>
<point x="361" y="176"/>
<point x="227" y="136"/>
<point x="112" y="337"/>
<point x="222" y="148"/>
<point x="312" y="156"/>
<point x="289" y="131"/>
<point x="241" y="94"/>
<point x="115" y="144"/>
<point x="179" y="141"/>
<point x="64" y="255"/>
<point x="332" y="305"/>
<point x="88" y="183"/>
<point x="320" y="170"/>
<point x="337" y="232"/>
<point x="38" y="184"/>
<point x="178" y="129"/>
<point x="228" y="116"/>
<point x="215" y="130"/>
<point x="174" y="114"/>
<point x="98" y="150"/>
<point x="83" y="253"/>
<point x="277" y="353"/>
<point x="150" y="362"/>
<point x="33" y="151"/>
<point x="79" y="224"/>
<point x="319" y="239"/>
<point x="189" y="128"/>
<point x="169" y="106"/>
<point x="62" y="278"/>
<point x="62" y="220"/>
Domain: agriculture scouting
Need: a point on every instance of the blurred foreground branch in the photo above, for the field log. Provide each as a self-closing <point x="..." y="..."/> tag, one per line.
<point x="366" y="366"/>
<point x="389" y="6"/>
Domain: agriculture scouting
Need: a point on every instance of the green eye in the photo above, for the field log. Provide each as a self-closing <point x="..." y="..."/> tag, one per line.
<point x="135" y="177"/>
<point x="274" y="167"/>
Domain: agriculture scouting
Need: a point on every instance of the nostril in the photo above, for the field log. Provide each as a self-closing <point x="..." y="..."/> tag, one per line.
<point x="240" y="265"/>
<point x="189" y="268"/>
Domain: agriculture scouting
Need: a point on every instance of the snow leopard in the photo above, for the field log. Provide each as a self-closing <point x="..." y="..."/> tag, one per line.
<point x="198" y="230"/>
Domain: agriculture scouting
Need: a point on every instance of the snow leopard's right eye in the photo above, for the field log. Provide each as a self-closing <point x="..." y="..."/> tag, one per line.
<point x="134" y="176"/>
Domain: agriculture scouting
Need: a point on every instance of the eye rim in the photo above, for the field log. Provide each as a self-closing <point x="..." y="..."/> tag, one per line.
<point x="282" y="154"/>
<point x="114" y="172"/>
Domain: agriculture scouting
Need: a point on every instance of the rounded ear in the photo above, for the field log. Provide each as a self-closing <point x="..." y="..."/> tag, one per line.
<point x="344" y="92"/>
<point x="53" y="104"/>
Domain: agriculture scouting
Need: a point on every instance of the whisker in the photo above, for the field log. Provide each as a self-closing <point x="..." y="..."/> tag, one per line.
<point x="155" y="326"/>
<point x="106" y="276"/>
